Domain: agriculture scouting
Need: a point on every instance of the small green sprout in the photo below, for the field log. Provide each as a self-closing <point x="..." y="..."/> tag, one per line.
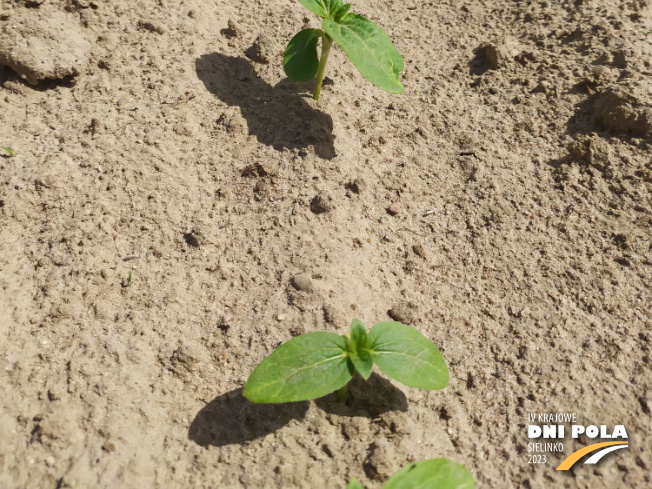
<point x="129" y="279"/>
<point x="367" y="46"/>
<point x="426" y="474"/>
<point x="8" y="150"/>
<point x="316" y="364"/>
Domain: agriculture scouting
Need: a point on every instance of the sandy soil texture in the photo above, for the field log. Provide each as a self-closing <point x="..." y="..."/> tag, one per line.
<point x="170" y="185"/>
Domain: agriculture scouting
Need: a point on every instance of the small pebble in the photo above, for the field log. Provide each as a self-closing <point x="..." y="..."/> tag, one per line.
<point x="109" y="447"/>
<point x="281" y="317"/>
<point x="419" y="251"/>
<point x="402" y="312"/>
<point x="332" y="314"/>
<point x="322" y="202"/>
<point x="303" y="281"/>
<point x="297" y="329"/>
<point x="394" y="208"/>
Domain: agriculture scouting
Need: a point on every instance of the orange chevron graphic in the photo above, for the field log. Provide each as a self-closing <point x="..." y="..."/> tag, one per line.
<point x="575" y="456"/>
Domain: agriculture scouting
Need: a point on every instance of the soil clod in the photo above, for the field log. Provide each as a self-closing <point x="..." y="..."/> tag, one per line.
<point x="403" y="312"/>
<point x="261" y="50"/>
<point x="48" y="47"/>
<point x="323" y="202"/>
<point x="303" y="282"/>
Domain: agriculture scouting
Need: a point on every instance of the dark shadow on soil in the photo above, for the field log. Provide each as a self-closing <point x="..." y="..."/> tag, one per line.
<point x="278" y="116"/>
<point x="605" y="115"/>
<point x="609" y="113"/>
<point x="369" y="398"/>
<point x="230" y="418"/>
<point x="581" y="122"/>
<point x="5" y="73"/>
<point x="480" y="63"/>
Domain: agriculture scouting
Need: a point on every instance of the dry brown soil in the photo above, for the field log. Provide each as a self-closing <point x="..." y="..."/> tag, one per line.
<point x="161" y="138"/>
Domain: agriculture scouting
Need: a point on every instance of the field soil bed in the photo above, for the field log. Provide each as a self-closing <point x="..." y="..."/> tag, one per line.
<point x="177" y="208"/>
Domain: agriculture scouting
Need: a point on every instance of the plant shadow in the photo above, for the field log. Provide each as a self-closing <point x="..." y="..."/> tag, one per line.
<point x="277" y="116"/>
<point x="231" y="419"/>
<point x="479" y="65"/>
<point x="369" y="398"/>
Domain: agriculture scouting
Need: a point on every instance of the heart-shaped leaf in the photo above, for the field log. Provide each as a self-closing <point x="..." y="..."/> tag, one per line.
<point x="360" y="354"/>
<point x="426" y="474"/>
<point x="305" y="367"/>
<point x="300" y="60"/>
<point x="359" y="337"/>
<point x="404" y="354"/>
<point x="363" y="363"/>
<point x="369" y="48"/>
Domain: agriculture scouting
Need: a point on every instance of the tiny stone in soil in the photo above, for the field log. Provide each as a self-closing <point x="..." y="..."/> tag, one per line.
<point x="402" y="312"/>
<point x="394" y="208"/>
<point x="322" y="202"/>
<point x="303" y="281"/>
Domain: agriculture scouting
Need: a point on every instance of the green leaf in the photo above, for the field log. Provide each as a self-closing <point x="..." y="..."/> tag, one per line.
<point x="341" y="11"/>
<point x="354" y="484"/>
<point x="363" y="363"/>
<point x="359" y="337"/>
<point x="360" y="355"/>
<point x="426" y="474"/>
<point x="11" y="153"/>
<point x="369" y="49"/>
<point x="318" y="7"/>
<point x="336" y="9"/>
<point x="305" y="367"/>
<point x="300" y="60"/>
<point x="404" y="354"/>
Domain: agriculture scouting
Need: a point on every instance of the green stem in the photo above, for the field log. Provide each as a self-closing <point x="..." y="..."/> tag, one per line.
<point x="326" y="43"/>
<point x="341" y="393"/>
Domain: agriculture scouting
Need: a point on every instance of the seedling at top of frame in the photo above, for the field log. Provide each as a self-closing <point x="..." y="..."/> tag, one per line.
<point x="316" y="364"/>
<point x="367" y="46"/>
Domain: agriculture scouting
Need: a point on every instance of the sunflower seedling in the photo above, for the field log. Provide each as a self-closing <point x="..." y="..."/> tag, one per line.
<point x="316" y="364"/>
<point x="367" y="46"/>
<point x="426" y="474"/>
